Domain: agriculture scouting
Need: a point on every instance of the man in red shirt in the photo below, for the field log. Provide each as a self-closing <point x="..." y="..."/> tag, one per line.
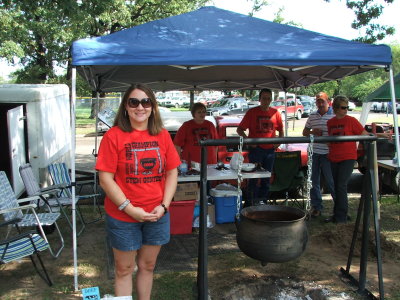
<point x="261" y="122"/>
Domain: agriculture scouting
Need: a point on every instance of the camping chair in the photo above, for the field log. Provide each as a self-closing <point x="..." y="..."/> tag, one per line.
<point x="60" y="175"/>
<point x="14" y="214"/>
<point x="51" y="195"/>
<point x="287" y="177"/>
<point x="23" y="245"/>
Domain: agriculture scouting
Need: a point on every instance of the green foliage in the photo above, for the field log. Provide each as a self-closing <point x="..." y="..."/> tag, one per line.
<point x="39" y="33"/>
<point x="257" y="6"/>
<point x="278" y="18"/>
<point x="366" y="12"/>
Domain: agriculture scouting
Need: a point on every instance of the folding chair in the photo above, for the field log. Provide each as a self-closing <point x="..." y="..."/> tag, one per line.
<point x="60" y="175"/>
<point x="13" y="213"/>
<point x="287" y="177"/>
<point x="23" y="245"/>
<point x="51" y="196"/>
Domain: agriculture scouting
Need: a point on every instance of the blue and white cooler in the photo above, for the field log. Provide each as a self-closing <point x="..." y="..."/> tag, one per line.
<point x="225" y="205"/>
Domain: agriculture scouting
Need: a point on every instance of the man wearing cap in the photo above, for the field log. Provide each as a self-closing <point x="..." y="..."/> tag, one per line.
<point x="316" y="125"/>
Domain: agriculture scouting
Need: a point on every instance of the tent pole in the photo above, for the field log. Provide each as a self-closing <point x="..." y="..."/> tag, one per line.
<point x="74" y="241"/>
<point x="96" y="139"/>
<point x="394" y="112"/>
<point x="286" y="114"/>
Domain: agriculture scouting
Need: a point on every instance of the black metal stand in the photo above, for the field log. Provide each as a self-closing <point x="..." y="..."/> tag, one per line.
<point x="202" y="269"/>
<point x="202" y="278"/>
<point x="368" y="196"/>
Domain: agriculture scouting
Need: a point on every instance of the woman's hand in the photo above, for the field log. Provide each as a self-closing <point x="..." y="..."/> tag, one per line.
<point x="159" y="211"/>
<point x="141" y="215"/>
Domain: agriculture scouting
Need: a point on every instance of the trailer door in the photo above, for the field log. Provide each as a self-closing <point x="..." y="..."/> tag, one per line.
<point x="16" y="142"/>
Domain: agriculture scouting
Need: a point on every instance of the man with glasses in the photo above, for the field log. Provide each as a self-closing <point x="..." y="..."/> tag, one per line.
<point x="316" y="125"/>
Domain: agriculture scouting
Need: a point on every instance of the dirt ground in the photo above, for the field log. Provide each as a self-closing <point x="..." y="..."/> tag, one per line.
<point x="326" y="253"/>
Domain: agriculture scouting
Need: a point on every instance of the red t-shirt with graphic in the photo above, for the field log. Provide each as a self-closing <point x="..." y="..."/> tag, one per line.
<point x="188" y="137"/>
<point x="262" y="124"/>
<point x="347" y="125"/>
<point x="139" y="162"/>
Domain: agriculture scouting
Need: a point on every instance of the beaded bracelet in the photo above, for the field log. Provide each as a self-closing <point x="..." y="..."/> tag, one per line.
<point x="124" y="204"/>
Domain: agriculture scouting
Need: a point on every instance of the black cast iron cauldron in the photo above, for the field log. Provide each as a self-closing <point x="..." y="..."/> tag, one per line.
<point x="272" y="233"/>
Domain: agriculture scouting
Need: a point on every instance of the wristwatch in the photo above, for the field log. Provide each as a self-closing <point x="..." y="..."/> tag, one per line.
<point x="165" y="208"/>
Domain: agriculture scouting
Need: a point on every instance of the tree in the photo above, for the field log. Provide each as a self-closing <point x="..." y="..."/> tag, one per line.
<point x="367" y="11"/>
<point x="40" y="32"/>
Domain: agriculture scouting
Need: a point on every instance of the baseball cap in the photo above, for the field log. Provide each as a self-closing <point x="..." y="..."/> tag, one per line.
<point x="323" y="96"/>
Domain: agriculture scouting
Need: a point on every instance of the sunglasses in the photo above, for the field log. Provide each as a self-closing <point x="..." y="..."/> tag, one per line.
<point x="344" y="107"/>
<point x="134" y="102"/>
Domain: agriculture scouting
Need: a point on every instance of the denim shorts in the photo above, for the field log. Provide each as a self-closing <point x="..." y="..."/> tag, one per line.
<point x="127" y="236"/>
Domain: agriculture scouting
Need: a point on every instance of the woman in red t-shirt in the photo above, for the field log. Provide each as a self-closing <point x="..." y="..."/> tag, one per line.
<point x="343" y="155"/>
<point x="137" y="164"/>
<point x="191" y="132"/>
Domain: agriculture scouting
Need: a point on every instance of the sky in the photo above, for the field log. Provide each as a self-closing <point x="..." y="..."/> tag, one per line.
<point x="332" y="18"/>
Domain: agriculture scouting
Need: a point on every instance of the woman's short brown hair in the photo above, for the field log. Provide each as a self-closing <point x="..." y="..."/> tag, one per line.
<point x="155" y="124"/>
<point x="338" y="100"/>
<point x="196" y="107"/>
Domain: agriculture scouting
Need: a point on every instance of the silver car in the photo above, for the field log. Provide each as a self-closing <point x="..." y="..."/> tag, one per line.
<point x="225" y="105"/>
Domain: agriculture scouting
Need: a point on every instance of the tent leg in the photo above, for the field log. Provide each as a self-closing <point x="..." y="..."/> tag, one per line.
<point x="74" y="238"/>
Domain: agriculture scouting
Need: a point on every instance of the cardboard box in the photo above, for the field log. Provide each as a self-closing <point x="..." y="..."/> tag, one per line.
<point x="187" y="191"/>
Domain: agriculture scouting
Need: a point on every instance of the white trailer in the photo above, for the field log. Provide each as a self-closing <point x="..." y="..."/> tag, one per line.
<point x="35" y="126"/>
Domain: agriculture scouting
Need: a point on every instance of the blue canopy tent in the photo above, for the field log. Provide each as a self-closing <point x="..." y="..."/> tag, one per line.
<point x="215" y="49"/>
<point x="203" y="49"/>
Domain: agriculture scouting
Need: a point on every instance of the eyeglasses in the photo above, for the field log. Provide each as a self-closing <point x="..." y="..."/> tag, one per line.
<point x="344" y="107"/>
<point x="134" y="102"/>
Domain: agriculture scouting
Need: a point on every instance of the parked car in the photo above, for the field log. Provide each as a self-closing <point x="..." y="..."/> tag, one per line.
<point x="294" y="108"/>
<point x="379" y="106"/>
<point x="226" y="128"/>
<point x="253" y="103"/>
<point x="308" y="103"/>
<point x="211" y="101"/>
<point x="174" y="102"/>
<point x="352" y="106"/>
<point x="384" y="107"/>
<point x="225" y="105"/>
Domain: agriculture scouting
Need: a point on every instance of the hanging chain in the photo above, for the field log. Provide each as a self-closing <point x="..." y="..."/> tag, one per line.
<point x="239" y="178"/>
<point x="310" y="152"/>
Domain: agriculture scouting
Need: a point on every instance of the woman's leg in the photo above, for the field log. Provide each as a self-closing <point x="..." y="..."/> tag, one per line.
<point x="146" y="261"/>
<point x="341" y="205"/>
<point x="124" y="266"/>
